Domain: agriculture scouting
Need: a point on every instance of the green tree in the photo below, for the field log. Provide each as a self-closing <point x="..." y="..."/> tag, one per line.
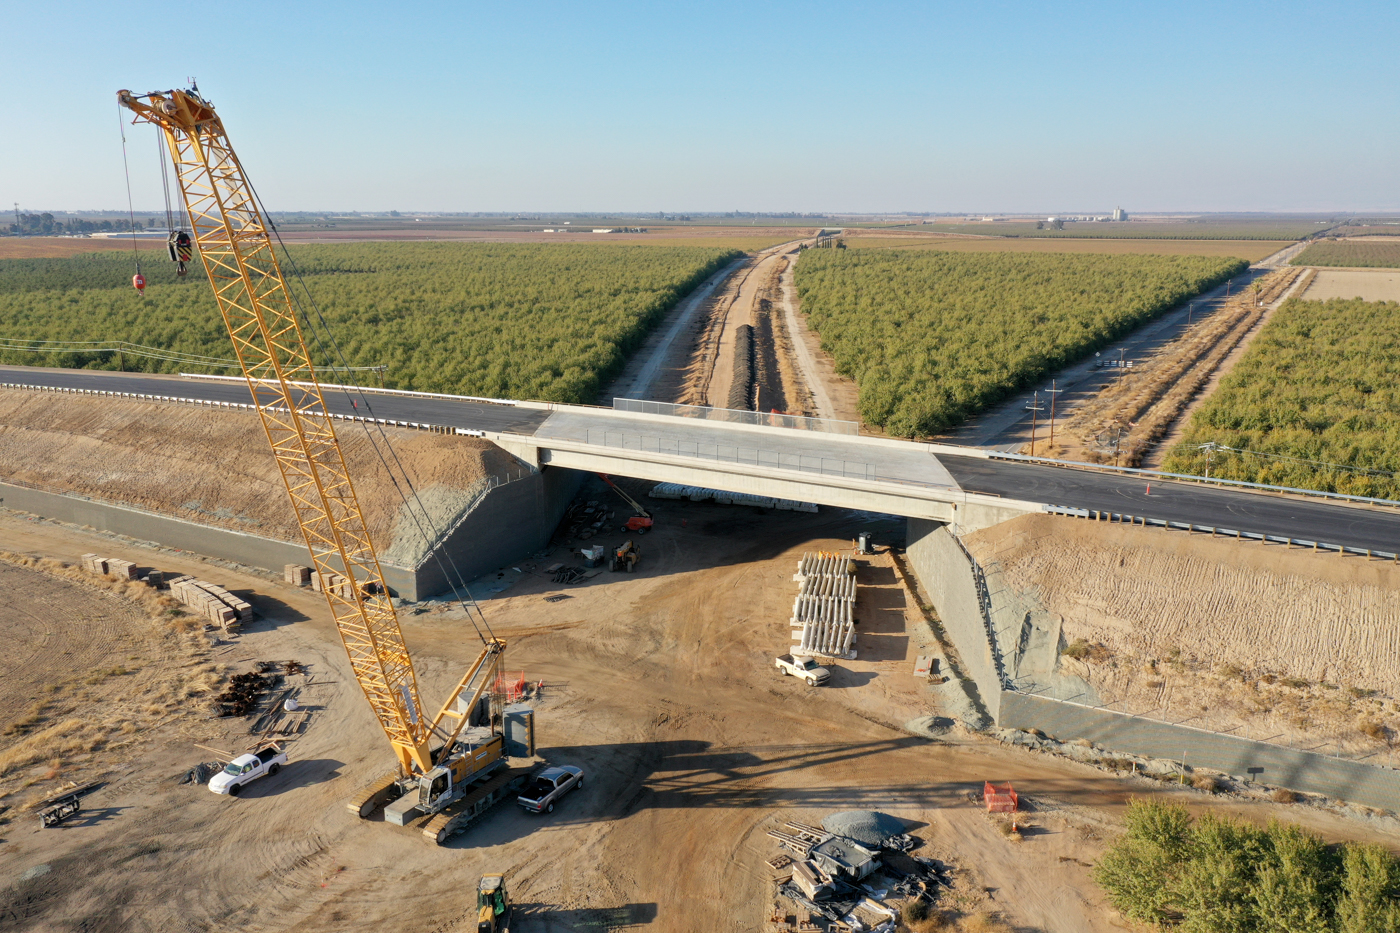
<point x="1370" y="895"/>
<point x="1295" y="890"/>
<point x="1140" y="872"/>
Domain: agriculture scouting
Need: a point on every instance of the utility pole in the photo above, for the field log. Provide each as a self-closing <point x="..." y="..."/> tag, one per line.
<point x="380" y="369"/>
<point x="1191" y="309"/>
<point x="1035" y="407"/>
<point x="1053" y="393"/>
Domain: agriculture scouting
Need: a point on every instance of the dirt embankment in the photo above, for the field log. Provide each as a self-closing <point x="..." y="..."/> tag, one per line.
<point x="215" y="468"/>
<point x="1267" y="640"/>
<point x="1137" y="407"/>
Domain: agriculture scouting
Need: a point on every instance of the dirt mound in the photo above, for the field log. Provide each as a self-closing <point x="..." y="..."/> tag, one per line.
<point x="215" y="468"/>
<point x="868" y="827"/>
<point x="1230" y="634"/>
<point x="1318" y="616"/>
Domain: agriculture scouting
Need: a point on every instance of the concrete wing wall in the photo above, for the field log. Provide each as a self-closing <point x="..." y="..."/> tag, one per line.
<point x="510" y="522"/>
<point x="945" y="571"/>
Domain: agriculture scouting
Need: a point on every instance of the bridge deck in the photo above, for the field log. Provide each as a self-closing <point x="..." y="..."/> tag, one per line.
<point x="808" y="451"/>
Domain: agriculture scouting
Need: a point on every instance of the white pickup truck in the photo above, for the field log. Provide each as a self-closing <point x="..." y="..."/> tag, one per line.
<point x="806" y="668"/>
<point x="244" y="769"/>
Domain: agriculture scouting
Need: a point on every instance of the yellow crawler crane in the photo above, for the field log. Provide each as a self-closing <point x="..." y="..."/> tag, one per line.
<point x="435" y="770"/>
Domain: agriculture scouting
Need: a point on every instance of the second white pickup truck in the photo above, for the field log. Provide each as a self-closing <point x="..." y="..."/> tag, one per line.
<point x="244" y="769"/>
<point x="806" y="668"/>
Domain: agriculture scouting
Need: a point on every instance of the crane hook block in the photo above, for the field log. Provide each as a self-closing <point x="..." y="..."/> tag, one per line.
<point x="180" y="247"/>
<point x="138" y="282"/>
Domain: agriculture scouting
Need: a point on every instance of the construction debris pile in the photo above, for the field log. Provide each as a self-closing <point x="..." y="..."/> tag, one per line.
<point x="242" y="693"/>
<point x="720" y="497"/>
<point x="847" y="879"/>
<point x="585" y="519"/>
<point x="201" y="773"/>
<point x="211" y="601"/>
<point x="823" y="614"/>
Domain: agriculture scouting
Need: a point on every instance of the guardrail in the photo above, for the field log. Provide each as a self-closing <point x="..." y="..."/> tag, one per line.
<point x="210" y="403"/>
<point x="1215" y="531"/>
<point x="756" y="456"/>
<point x="738" y="416"/>
<point x="1187" y="477"/>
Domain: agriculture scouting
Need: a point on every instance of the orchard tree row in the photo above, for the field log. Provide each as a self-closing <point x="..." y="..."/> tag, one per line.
<point x="551" y="322"/>
<point x="932" y="338"/>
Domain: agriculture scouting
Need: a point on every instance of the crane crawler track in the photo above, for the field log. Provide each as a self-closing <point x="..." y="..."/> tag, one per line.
<point x="373" y="795"/>
<point x="460" y="814"/>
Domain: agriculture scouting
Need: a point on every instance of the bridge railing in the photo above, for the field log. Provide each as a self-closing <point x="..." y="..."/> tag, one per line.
<point x="738" y="416"/>
<point x="675" y="446"/>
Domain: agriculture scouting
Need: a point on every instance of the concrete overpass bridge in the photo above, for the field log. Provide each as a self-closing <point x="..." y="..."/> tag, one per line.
<point x="806" y="459"/>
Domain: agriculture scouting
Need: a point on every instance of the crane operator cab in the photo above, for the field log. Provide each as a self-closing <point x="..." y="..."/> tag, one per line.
<point x="180" y="247"/>
<point x="493" y="905"/>
<point x="432" y="787"/>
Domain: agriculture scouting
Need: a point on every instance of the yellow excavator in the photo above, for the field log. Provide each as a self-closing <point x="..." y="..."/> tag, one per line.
<point x="445" y="772"/>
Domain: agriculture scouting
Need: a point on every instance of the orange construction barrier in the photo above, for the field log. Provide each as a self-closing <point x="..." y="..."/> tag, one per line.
<point x="999" y="798"/>
<point x="511" y="684"/>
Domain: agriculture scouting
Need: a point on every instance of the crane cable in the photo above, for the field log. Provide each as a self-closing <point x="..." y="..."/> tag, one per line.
<point x="455" y="578"/>
<point x="130" y="210"/>
<point x="161" y="153"/>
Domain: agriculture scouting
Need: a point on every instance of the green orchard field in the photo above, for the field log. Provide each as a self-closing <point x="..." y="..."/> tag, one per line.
<point x="932" y="338"/>
<point x="1321" y="382"/>
<point x="1361" y="254"/>
<point x="539" y="321"/>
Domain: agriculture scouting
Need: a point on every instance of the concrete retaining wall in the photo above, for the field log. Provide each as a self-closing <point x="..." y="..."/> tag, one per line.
<point x="944" y="570"/>
<point x="508" y="523"/>
<point x="1352" y="781"/>
<point x="949" y="575"/>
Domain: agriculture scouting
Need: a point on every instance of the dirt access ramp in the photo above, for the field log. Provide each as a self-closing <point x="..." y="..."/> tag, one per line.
<point x="213" y="467"/>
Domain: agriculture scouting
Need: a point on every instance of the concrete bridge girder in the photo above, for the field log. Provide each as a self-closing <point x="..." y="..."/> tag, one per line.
<point x="948" y="505"/>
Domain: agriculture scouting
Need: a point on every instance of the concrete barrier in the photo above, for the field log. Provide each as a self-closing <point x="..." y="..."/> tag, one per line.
<point x="1309" y="772"/>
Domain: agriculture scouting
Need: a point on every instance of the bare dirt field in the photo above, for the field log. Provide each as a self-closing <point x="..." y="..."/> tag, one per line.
<point x="1250" y="250"/>
<point x="749" y="239"/>
<point x="659" y="684"/>
<point x="58" y="247"/>
<point x="213" y="467"/>
<point x="1283" y="642"/>
<point x="1366" y="284"/>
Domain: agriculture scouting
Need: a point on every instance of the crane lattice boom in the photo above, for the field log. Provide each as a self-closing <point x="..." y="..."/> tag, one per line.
<point x="253" y="298"/>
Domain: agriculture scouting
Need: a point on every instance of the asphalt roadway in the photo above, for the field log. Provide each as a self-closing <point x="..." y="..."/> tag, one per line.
<point x="1213" y="506"/>
<point x="1257" y="512"/>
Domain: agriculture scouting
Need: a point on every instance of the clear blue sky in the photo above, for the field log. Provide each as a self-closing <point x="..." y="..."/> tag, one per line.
<point x="811" y="106"/>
